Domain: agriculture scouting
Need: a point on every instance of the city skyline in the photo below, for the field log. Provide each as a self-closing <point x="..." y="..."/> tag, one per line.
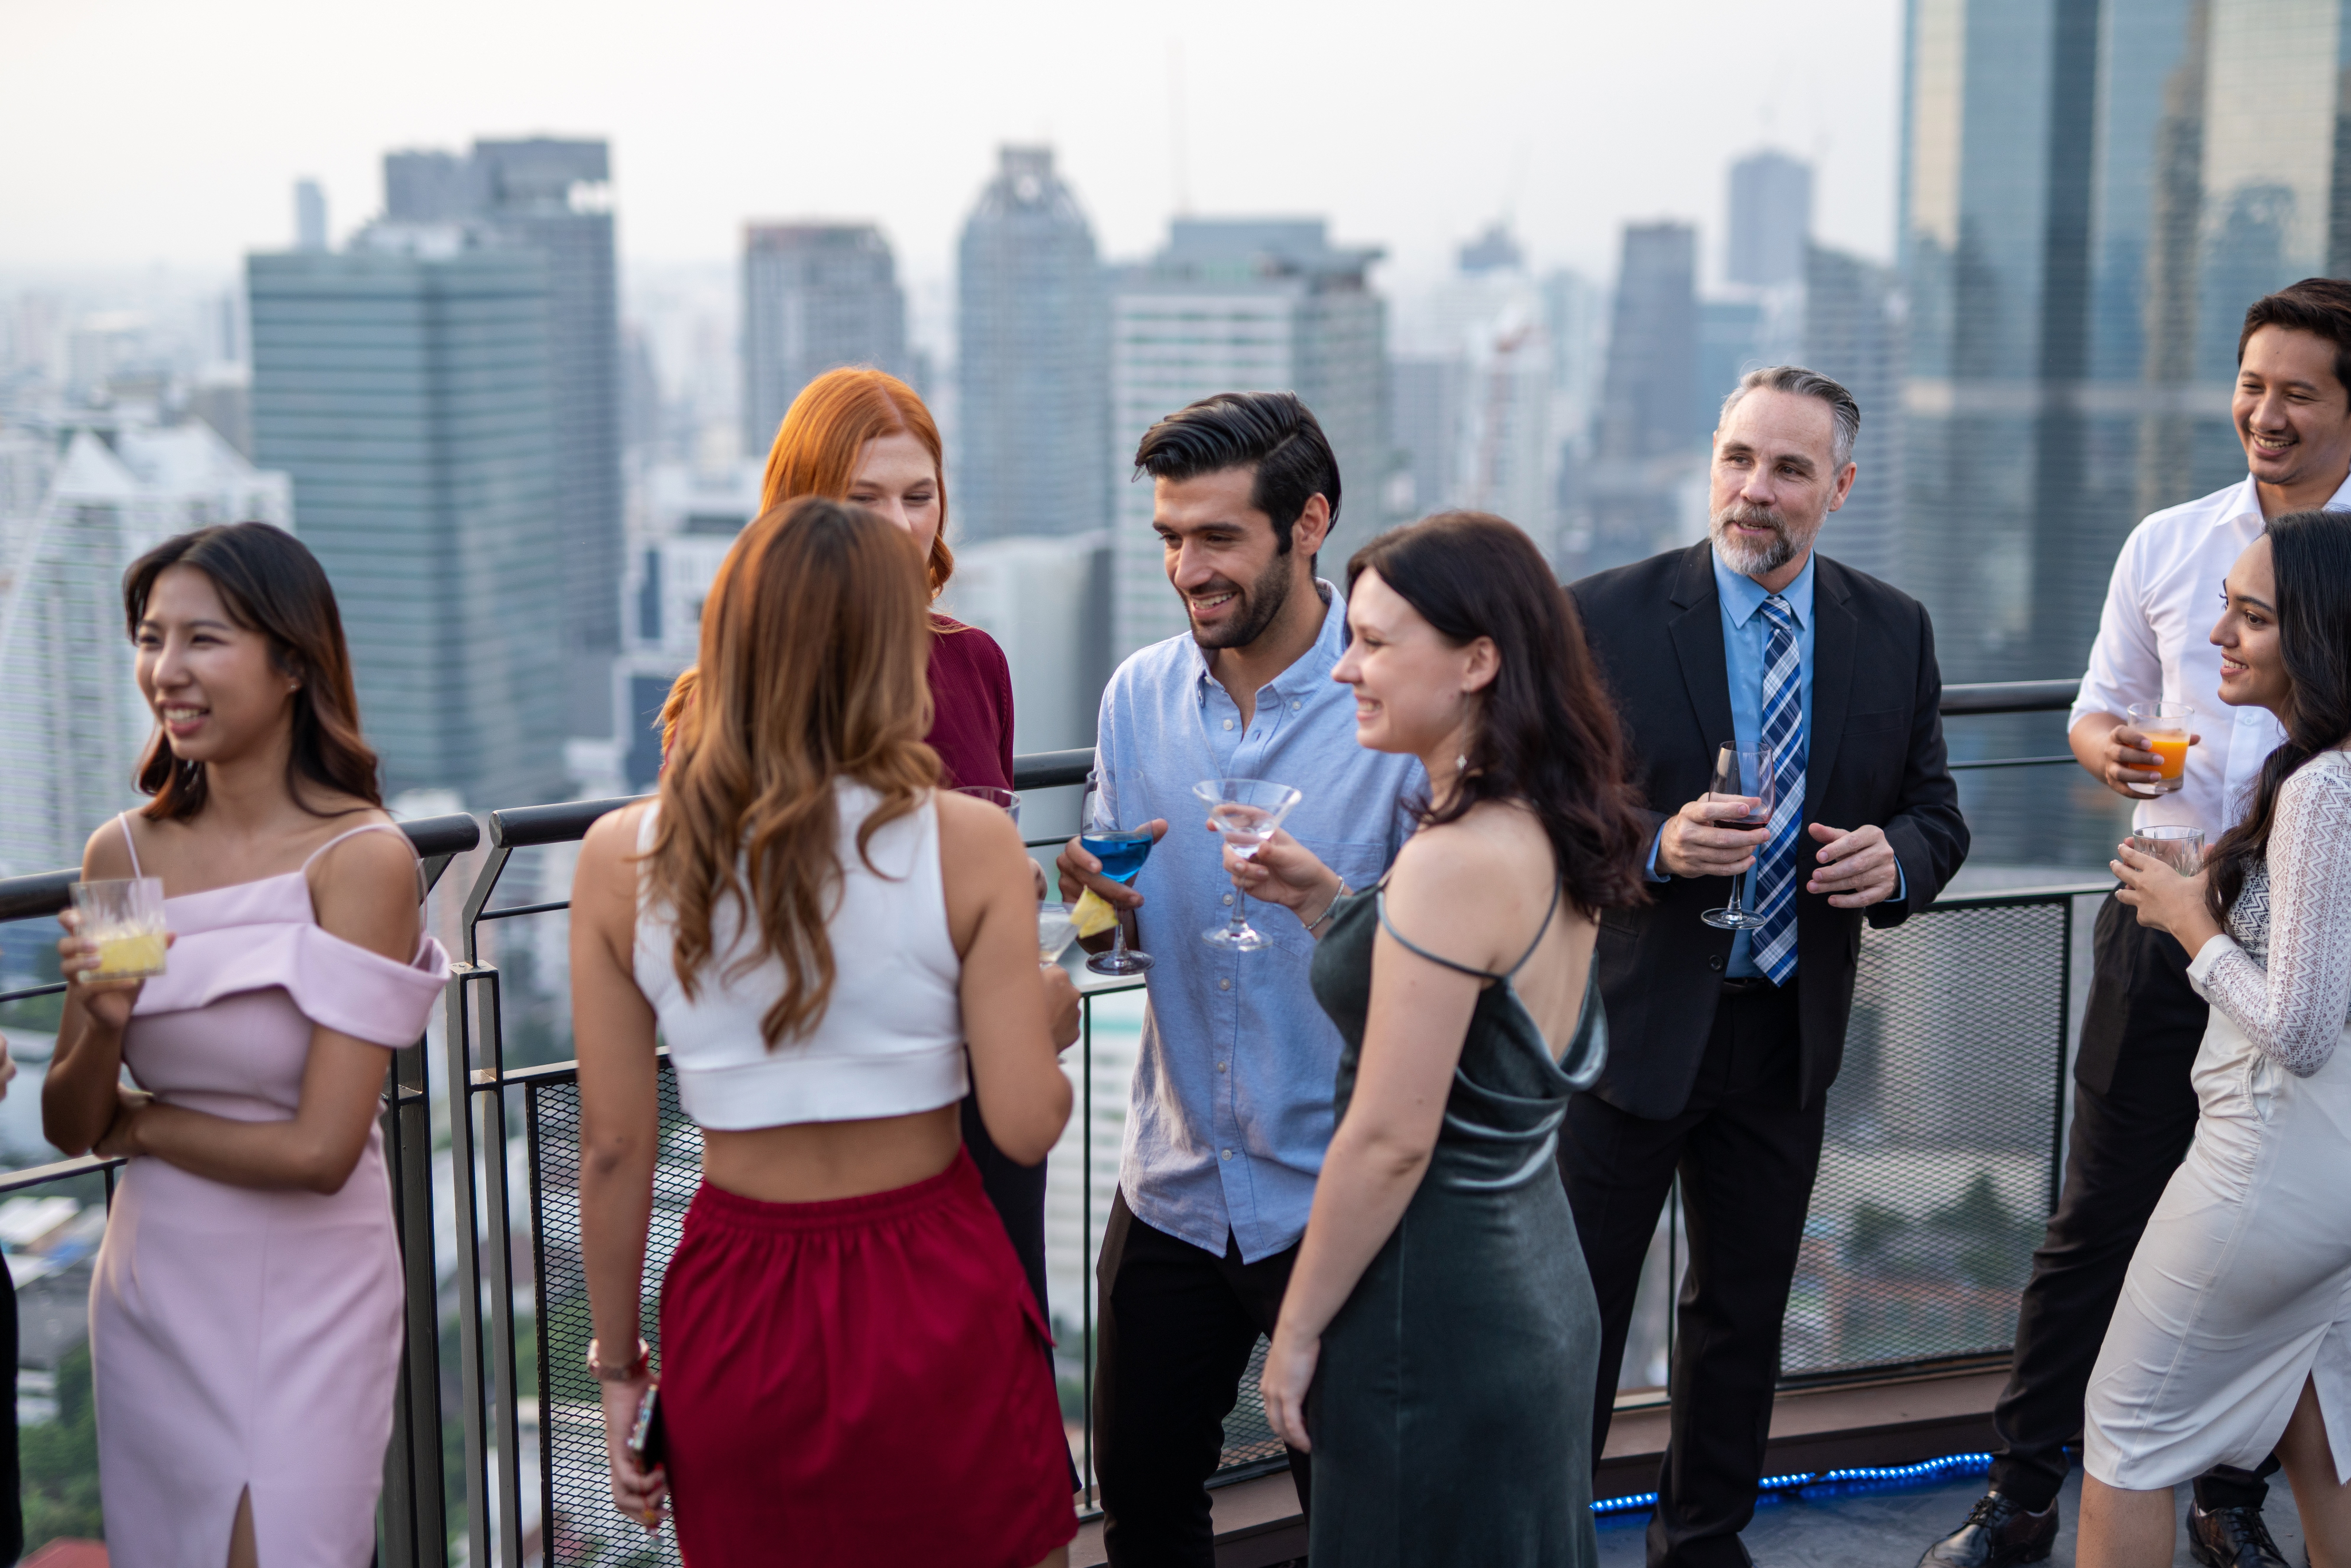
<point x="1514" y="101"/>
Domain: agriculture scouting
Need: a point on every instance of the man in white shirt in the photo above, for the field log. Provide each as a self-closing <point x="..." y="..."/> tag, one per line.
<point x="2134" y="1108"/>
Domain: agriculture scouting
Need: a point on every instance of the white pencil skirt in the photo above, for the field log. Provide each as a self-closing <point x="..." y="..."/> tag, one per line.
<point x="2240" y="1290"/>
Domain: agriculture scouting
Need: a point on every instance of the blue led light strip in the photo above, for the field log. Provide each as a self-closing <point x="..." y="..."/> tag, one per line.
<point x="1949" y="1465"/>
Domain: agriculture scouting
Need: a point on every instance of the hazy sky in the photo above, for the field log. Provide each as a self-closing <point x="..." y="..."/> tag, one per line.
<point x="161" y="130"/>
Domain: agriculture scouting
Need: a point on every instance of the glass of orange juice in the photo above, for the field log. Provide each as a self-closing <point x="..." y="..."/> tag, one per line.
<point x="2165" y="725"/>
<point x="125" y="916"/>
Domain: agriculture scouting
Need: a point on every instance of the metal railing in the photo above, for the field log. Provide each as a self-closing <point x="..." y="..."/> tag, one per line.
<point x="1943" y="1152"/>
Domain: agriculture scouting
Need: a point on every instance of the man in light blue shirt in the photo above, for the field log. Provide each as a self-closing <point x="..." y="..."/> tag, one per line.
<point x="1232" y="1099"/>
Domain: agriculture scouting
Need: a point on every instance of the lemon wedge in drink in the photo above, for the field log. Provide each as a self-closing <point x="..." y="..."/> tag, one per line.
<point x="130" y="954"/>
<point x="1093" y="916"/>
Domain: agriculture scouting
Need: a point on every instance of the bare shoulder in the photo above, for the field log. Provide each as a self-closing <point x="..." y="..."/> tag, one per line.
<point x="1451" y="871"/>
<point x="972" y="831"/>
<point x="608" y="867"/>
<point x="107" y="855"/>
<point x="365" y="890"/>
<point x="613" y="837"/>
<point x="1492" y="845"/>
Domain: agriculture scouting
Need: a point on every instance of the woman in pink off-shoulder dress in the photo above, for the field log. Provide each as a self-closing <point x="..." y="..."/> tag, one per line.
<point x="246" y="1315"/>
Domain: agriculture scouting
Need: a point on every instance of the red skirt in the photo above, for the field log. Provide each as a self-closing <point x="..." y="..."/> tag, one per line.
<point x="861" y="1379"/>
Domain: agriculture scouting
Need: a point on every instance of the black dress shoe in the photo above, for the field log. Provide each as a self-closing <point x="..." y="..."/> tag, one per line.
<point x="2231" y="1538"/>
<point x="1999" y="1531"/>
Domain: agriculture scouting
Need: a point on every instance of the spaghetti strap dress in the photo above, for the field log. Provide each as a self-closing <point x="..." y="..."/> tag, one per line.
<point x="241" y="1338"/>
<point x="1451" y="1412"/>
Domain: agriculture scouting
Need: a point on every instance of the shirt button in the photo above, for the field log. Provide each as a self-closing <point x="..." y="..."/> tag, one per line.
<point x="1228" y="1154"/>
<point x="1228" y="898"/>
<point x="1295" y="704"/>
<point x="1229" y="724"/>
<point x="1220" y="1067"/>
<point x="1224" y="985"/>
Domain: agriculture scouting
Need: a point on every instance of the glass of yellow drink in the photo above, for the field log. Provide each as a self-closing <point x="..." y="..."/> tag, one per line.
<point x="125" y="916"/>
<point x="2165" y="725"/>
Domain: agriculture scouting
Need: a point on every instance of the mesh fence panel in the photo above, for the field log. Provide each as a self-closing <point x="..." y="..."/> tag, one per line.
<point x="1940" y="1163"/>
<point x="1934" y="1177"/>
<point x="582" y="1527"/>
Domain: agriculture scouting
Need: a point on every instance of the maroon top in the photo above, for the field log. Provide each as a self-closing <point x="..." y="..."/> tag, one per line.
<point x="971" y="704"/>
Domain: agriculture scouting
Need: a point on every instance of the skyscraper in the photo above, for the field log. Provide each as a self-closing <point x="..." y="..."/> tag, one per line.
<point x="406" y="386"/>
<point x="78" y="502"/>
<point x="2093" y="193"/>
<point x="1648" y="431"/>
<point x="1032" y="371"/>
<point x="1242" y="305"/>
<point x="815" y="296"/>
<point x="309" y="215"/>
<point x="553" y="196"/>
<point x="1853" y="332"/>
<point x="1770" y="219"/>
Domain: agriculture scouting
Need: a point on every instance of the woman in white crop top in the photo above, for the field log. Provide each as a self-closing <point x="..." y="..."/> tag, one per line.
<point x="823" y="940"/>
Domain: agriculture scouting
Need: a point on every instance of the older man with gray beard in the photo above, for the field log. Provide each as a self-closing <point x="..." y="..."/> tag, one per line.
<point x="1723" y="1038"/>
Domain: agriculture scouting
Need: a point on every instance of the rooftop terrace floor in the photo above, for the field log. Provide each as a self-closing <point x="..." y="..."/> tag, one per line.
<point x="1851" y="1525"/>
<point x="1888" y="1525"/>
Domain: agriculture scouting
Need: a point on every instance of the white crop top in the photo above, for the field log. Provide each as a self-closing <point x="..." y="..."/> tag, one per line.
<point x="891" y="1041"/>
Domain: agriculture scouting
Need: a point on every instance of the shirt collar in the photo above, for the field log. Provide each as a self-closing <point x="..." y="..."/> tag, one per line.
<point x="1744" y="596"/>
<point x="2245" y="501"/>
<point x="1311" y="669"/>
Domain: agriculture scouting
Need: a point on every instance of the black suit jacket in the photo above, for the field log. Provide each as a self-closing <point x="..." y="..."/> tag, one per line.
<point x="1875" y="755"/>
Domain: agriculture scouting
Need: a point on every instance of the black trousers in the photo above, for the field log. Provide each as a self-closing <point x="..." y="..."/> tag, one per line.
<point x="1018" y="1194"/>
<point x="1746" y="1151"/>
<point x="2134" y="1115"/>
<point x="1173" y="1334"/>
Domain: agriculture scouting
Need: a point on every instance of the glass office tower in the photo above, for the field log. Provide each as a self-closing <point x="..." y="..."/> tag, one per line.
<point x="406" y="388"/>
<point x="2093" y="193"/>
<point x="1032" y="365"/>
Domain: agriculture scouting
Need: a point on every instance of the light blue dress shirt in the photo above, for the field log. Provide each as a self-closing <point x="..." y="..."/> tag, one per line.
<point x="1231" y="1108"/>
<point x="1744" y="633"/>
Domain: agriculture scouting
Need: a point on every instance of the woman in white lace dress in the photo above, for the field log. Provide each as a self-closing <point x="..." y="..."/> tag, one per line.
<point x="2233" y="1334"/>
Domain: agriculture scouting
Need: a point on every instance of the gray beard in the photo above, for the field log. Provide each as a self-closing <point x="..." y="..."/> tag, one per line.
<point x="1752" y="560"/>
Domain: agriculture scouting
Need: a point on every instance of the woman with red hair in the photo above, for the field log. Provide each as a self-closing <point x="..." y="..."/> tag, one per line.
<point x="862" y="436"/>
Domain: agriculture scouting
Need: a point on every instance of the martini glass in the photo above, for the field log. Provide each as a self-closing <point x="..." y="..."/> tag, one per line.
<point x="1248" y="812"/>
<point x="1122" y="853"/>
<point x="1055" y="927"/>
<point x="1743" y="773"/>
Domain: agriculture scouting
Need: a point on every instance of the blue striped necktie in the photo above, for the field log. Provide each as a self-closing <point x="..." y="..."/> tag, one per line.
<point x="1773" y="887"/>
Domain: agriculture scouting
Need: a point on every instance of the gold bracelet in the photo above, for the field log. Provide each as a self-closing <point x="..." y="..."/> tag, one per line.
<point x="635" y="1369"/>
<point x="1330" y="907"/>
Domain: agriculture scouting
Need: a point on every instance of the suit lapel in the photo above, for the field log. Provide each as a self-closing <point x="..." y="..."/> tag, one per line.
<point x="1835" y="632"/>
<point x="1697" y="632"/>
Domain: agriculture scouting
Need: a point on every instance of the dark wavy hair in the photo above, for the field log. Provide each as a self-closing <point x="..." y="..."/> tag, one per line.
<point x="1274" y="435"/>
<point x="270" y="584"/>
<point x="2310" y="554"/>
<point x="1546" y="732"/>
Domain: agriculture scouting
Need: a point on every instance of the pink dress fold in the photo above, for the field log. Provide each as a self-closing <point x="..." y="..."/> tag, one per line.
<point x="244" y="1338"/>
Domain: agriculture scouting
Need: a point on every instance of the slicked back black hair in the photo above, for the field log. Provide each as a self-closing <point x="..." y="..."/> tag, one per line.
<point x="2318" y="306"/>
<point x="1275" y="433"/>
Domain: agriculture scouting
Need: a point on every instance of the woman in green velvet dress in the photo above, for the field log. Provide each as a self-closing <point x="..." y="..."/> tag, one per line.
<point x="1436" y="1346"/>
